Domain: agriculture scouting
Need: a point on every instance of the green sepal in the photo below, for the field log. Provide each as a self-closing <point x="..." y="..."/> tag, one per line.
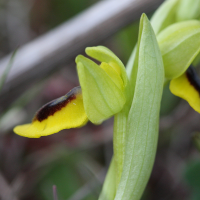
<point x="196" y="61"/>
<point x="102" y="97"/>
<point x="113" y="75"/>
<point x="179" y="45"/>
<point x="142" y="124"/>
<point x="165" y="15"/>
<point x="104" y="54"/>
<point x="188" y="10"/>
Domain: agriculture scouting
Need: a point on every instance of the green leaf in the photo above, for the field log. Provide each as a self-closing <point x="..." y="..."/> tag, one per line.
<point x="102" y="98"/>
<point x="120" y="119"/>
<point x="142" y="126"/>
<point x="164" y="15"/>
<point x="8" y="67"/>
<point x="188" y="10"/>
<point x="179" y="45"/>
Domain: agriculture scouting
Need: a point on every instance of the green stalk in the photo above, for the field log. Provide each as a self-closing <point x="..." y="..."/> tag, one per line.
<point x="120" y="122"/>
<point x="8" y="67"/>
<point x="109" y="190"/>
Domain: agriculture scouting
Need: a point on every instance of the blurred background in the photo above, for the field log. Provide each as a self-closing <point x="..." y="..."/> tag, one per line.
<point x="76" y="160"/>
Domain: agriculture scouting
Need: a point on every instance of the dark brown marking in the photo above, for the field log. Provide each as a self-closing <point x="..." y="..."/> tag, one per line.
<point x="56" y="105"/>
<point x="193" y="78"/>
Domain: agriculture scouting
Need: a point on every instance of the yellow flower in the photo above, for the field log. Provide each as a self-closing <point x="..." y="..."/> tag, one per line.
<point x="101" y="95"/>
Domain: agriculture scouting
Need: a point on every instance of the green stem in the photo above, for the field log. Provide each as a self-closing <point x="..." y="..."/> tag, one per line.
<point x="120" y="122"/>
<point x="109" y="190"/>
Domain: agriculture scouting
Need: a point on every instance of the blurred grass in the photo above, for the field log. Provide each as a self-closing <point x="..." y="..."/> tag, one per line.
<point x="66" y="179"/>
<point x="6" y="71"/>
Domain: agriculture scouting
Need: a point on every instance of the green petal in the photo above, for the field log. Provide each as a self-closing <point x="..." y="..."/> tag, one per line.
<point x="188" y="10"/>
<point x="102" y="98"/>
<point x="164" y="16"/>
<point x="179" y="45"/>
<point x="113" y="75"/>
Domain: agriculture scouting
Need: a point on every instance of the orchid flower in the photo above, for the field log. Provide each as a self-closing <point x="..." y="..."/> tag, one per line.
<point x="180" y="45"/>
<point x="104" y="91"/>
<point x="101" y="95"/>
<point x="178" y="35"/>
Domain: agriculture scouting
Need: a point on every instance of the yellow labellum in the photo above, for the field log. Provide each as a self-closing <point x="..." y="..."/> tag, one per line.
<point x="187" y="86"/>
<point x="63" y="113"/>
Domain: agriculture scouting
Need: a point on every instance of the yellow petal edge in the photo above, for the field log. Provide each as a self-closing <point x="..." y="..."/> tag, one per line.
<point x="183" y="88"/>
<point x="63" y="113"/>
